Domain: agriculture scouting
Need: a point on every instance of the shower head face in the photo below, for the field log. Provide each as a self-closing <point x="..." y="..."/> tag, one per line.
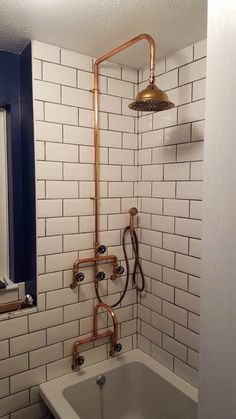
<point x="151" y="99"/>
<point x="133" y="211"/>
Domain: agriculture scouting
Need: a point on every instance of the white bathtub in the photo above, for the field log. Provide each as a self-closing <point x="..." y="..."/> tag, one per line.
<point x="137" y="387"/>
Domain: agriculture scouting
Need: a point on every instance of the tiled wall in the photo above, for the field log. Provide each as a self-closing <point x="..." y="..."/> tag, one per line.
<point x="170" y="191"/>
<point x="38" y="347"/>
<point x="162" y="168"/>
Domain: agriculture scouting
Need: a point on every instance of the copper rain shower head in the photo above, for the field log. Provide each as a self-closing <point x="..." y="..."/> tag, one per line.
<point x="151" y="99"/>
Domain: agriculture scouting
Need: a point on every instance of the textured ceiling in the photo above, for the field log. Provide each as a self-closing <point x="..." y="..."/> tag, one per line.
<point x="93" y="27"/>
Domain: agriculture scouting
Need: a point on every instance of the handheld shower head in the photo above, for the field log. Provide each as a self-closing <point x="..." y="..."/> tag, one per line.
<point x="151" y="99"/>
<point x="133" y="211"/>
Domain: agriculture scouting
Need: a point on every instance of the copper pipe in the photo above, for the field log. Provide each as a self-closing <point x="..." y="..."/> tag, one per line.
<point x="110" y="54"/>
<point x="96" y="259"/>
<point x="96" y="336"/>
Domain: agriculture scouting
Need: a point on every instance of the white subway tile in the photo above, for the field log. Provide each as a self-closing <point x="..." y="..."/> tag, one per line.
<point x="163" y="291"/>
<point x="193" y="71"/>
<point x="13" y="365"/>
<point x="49" y="170"/>
<point x="121" y="123"/>
<point x="152" y="205"/>
<point x="163" y="189"/>
<point x="151" y="238"/>
<point x="151" y="333"/>
<point x="144" y="156"/>
<point x="62" y="332"/>
<point x="61" y="114"/>
<point x="78" y="242"/>
<point x="48" y="282"/>
<point x="193" y="359"/>
<point x="130" y="74"/>
<point x="45" y="355"/>
<point x="61" y="297"/>
<point x="190" y="152"/>
<point x="49" y="207"/>
<point x="4" y="349"/>
<point x="120" y="88"/>
<point x="77" y="60"/>
<point x="59" y="74"/>
<point x="188" y="264"/>
<point x="123" y="189"/>
<point x="181" y="95"/>
<point x="78" y="135"/>
<point x="194" y="285"/>
<point x="62" y="189"/>
<point x="4" y="388"/>
<point x="174" y="347"/>
<point x="38" y="110"/>
<point x="144" y="344"/>
<point x="28" y="379"/>
<point x="186" y="227"/>
<point x="77" y="207"/>
<point x="186" y="372"/>
<point x="13" y="402"/>
<point x="60" y="261"/>
<point x="163" y="223"/>
<point x="152" y="138"/>
<point x="46" y="91"/>
<point x="162" y="323"/>
<point x="129" y="140"/>
<point x="165" y="154"/>
<point x="45" y="52"/>
<point x="162" y="356"/>
<point x="191" y="112"/>
<point x="199" y="89"/>
<point x="118" y="156"/>
<point x="187" y="301"/>
<point x="189" y="190"/>
<point x="200" y="49"/>
<point x="177" y="134"/>
<point x="78" y="310"/>
<point x="152" y="172"/>
<point x="187" y="337"/>
<point x="77" y="97"/>
<point x="151" y="301"/>
<point x="165" y="118"/>
<point x="13" y="327"/>
<point x="47" y="131"/>
<point x="179" y="58"/>
<point x="175" y="313"/>
<point x="198" y="130"/>
<point x="175" y="243"/>
<point x="59" y="368"/>
<point x="130" y="173"/>
<point x="36" y="411"/>
<point x="168" y="80"/>
<point x="107" y="68"/>
<point x="175" y="278"/>
<point x="109" y="103"/>
<point x="49" y="245"/>
<point x="37" y="69"/>
<point x="197" y="171"/>
<point x="61" y="225"/>
<point x="144" y="189"/>
<point x="40" y="152"/>
<point x="45" y="319"/>
<point x="196" y="209"/>
<point x="177" y="171"/>
<point x="176" y="207"/>
<point x="145" y="123"/>
<point x="163" y="257"/>
<point x="194" y="322"/>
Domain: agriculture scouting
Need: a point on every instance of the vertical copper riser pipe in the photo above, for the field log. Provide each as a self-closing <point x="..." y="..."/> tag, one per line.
<point x="96" y="108"/>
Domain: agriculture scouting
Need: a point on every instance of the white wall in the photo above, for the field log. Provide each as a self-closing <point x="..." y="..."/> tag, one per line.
<point x="170" y="202"/>
<point x="218" y="307"/>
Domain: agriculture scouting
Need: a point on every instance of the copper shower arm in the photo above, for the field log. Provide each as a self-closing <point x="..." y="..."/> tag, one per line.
<point x="138" y="38"/>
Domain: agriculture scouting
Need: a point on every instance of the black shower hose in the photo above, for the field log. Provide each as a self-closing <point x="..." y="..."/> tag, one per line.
<point x="137" y="264"/>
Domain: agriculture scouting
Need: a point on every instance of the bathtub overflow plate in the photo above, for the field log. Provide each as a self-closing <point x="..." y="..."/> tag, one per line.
<point x="100" y="380"/>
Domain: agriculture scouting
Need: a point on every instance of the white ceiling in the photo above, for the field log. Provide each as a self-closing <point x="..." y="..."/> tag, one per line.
<point x="93" y="27"/>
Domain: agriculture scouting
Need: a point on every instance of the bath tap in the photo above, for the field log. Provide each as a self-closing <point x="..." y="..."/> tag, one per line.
<point x="77" y="359"/>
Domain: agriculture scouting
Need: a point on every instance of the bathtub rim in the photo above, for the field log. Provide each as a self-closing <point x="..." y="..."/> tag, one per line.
<point x="52" y="391"/>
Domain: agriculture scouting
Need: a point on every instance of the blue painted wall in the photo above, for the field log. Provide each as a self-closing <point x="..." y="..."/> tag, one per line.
<point x="16" y="98"/>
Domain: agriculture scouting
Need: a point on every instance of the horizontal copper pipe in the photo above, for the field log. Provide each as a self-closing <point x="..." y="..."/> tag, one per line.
<point x="96" y="336"/>
<point x="97" y="260"/>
